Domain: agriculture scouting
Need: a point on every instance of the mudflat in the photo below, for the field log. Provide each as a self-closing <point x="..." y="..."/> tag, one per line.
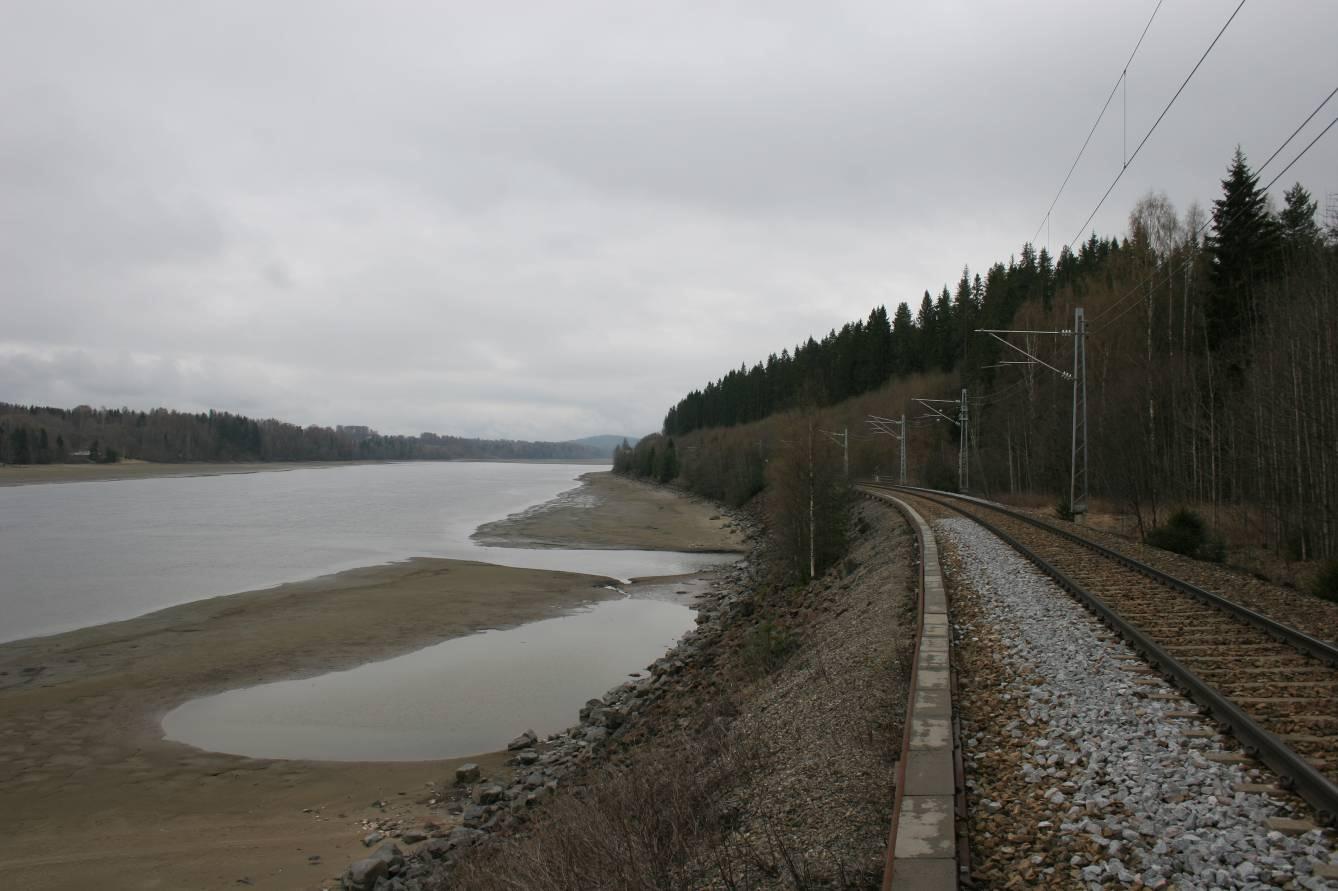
<point x="610" y="511"/>
<point x="92" y="796"/>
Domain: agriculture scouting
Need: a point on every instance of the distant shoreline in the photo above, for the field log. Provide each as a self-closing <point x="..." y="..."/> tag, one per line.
<point x="35" y="474"/>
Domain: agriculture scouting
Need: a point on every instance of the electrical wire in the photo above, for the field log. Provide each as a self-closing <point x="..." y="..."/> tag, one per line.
<point x="1090" y="133"/>
<point x="1155" y="124"/>
<point x="1204" y="225"/>
<point x="1185" y="263"/>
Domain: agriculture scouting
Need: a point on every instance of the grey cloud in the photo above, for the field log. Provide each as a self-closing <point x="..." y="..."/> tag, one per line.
<point x="551" y="220"/>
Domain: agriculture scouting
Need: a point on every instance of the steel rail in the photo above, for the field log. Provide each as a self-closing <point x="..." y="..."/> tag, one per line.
<point x="1293" y="770"/>
<point x="1311" y="646"/>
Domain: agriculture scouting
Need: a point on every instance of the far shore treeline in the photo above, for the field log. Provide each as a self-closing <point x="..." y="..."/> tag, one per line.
<point x="45" y="435"/>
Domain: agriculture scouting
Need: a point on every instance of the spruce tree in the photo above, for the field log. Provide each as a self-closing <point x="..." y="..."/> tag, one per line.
<point x="1297" y="220"/>
<point x="1243" y="248"/>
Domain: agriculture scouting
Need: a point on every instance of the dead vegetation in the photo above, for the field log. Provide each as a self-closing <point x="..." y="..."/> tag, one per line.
<point x="769" y="763"/>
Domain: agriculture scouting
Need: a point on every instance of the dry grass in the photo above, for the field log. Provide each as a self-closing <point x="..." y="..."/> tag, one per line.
<point x="633" y="829"/>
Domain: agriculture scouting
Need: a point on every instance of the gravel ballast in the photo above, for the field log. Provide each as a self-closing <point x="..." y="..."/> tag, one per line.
<point x="1079" y="774"/>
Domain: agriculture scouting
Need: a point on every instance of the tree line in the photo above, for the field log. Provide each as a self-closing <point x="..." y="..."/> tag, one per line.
<point x="36" y="434"/>
<point x="863" y="354"/>
<point x="1212" y="375"/>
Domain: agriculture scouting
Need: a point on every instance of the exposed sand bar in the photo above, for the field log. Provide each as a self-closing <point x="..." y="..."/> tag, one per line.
<point x="609" y="511"/>
<point x="92" y="796"/>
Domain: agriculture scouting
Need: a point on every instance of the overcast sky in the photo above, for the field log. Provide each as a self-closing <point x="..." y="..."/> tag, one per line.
<point x="548" y="220"/>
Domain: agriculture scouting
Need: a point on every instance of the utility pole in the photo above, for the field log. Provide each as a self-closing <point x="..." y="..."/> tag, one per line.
<point x="844" y="439"/>
<point x="962" y="422"/>
<point x="812" y="514"/>
<point x="1078" y="453"/>
<point x="1078" y="465"/>
<point x="884" y="425"/>
<point x="963" y="452"/>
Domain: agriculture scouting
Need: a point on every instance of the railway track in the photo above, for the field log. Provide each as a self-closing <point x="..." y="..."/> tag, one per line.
<point x="1274" y="687"/>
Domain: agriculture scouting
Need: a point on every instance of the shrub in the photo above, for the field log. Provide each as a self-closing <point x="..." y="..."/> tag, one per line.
<point x="766" y="647"/>
<point x="1064" y="510"/>
<point x="1186" y="533"/>
<point x="1326" y="583"/>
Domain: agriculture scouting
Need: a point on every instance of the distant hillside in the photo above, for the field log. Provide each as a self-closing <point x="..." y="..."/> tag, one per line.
<point x="604" y="444"/>
<point x="36" y="434"/>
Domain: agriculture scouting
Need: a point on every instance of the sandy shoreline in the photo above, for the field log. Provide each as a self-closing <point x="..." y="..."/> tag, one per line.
<point x="608" y="511"/>
<point x="92" y="796"/>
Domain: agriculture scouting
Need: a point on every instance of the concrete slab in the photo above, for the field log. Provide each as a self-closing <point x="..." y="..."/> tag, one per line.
<point x="933" y="703"/>
<point x="930" y="772"/>
<point x="929" y="732"/>
<point x="925" y="875"/>
<point x="932" y="678"/>
<point x="930" y="659"/>
<point x="925" y="829"/>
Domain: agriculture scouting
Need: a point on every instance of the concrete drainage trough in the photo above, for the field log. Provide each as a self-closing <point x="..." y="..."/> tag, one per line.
<point x="923" y="842"/>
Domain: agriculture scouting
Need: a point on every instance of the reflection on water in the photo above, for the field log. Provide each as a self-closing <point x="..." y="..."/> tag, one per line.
<point x="461" y="697"/>
<point x="79" y="554"/>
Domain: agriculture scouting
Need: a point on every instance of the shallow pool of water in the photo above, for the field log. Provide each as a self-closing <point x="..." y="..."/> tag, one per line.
<point x="463" y="696"/>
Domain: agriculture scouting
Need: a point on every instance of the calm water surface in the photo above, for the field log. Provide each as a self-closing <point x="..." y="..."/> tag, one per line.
<point x="79" y="554"/>
<point x="461" y="697"/>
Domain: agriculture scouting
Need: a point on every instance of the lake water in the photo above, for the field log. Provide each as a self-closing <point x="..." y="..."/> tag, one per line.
<point x="79" y="554"/>
<point x="460" y="697"/>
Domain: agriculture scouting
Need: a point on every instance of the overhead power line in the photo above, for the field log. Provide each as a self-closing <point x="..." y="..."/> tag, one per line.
<point x="1139" y="288"/>
<point x="1124" y="72"/>
<point x="1155" y="124"/>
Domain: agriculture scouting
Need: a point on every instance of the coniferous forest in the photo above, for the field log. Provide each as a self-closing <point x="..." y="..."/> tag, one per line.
<point x="45" y="435"/>
<point x="1212" y="376"/>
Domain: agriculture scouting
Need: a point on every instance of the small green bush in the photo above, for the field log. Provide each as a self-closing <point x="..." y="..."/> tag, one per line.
<point x="766" y="647"/>
<point x="1326" y="583"/>
<point x="1186" y="533"/>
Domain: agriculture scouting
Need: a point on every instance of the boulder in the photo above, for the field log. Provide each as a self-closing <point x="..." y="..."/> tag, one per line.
<point x="474" y="816"/>
<point x="372" y="838"/>
<point x="413" y="837"/>
<point x="467" y="773"/>
<point x="362" y="875"/>
<point x="391" y="855"/>
<point x="488" y="794"/>
<point x="462" y="837"/>
<point x="589" y="707"/>
<point x="524" y="741"/>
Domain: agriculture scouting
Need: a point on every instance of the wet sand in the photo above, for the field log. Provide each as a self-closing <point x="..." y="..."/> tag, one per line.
<point x="608" y="511"/>
<point x="92" y="796"/>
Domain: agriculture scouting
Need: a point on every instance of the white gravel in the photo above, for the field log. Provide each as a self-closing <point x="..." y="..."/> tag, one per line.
<point x="1113" y="766"/>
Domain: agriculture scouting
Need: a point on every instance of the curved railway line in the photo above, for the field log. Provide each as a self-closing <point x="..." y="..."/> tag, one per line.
<point x="1275" y="688"/>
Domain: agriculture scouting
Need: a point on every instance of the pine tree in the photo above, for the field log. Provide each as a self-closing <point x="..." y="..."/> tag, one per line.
<point x="1243" y="248"/>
